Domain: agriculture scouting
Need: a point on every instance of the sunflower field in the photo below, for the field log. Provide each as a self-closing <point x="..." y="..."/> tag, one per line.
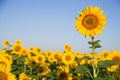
<point x="20" y="63"/>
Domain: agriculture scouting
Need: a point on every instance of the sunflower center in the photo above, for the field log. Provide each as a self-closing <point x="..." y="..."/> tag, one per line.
<point x="68" y="48"/>
<point x="116" y="58"/>
<point x="40" y="59"/>
<point x="38" y="49"/>
<point x="90" y="22"/>
<point x="3" y="76"/>
<point x="25" y="79"/>
<point x="17" y="48"/>
<point x="56" y="56"/>
<point x="6" y="43"/>
<point x="68" y="58"/>
<point x="63" y="75"/>
<point x="105" y="54"/>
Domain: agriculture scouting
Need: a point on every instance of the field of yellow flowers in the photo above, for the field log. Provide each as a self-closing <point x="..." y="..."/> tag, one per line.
<point x="20" y="63"/>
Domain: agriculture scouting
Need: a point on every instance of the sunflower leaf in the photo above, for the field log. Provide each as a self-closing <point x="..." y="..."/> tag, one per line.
<point x="82" y="69"/>
<point x="90" y="42"/>
<point x="106" y="63"/>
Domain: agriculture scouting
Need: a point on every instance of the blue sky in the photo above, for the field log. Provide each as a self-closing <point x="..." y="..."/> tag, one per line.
<point x="49" y="24"/>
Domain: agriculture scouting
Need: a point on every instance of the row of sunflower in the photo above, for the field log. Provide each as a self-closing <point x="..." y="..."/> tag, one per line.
<point x="20" y="63"/>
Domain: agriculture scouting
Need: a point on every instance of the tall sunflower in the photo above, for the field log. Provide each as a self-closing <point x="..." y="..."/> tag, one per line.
<point x="90" y="21"/>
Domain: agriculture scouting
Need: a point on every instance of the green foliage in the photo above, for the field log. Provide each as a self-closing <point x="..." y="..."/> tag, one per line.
<point x="82" y="69"/>
<point x="95" y="44"/>
<point x="18" y="65"/>
<point x="106" y="63"/>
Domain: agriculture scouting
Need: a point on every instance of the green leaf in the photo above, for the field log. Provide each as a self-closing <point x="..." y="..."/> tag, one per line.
<point x="87" y="57"/>
<point x="82" y="69"/>
<point x="53" y="66"/>
<point x="77" y="78"/>
<point x="99" y="78"/>
<point x="106" y="78"/>
<point x="111" y="78"/>
<point x="90" y="42"/>
<point x="106" y="63"/>
<point x="96" y="44"/>
<point x="97" y="41"/>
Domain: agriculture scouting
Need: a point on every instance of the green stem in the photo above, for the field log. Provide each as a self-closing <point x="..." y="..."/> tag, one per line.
<point x="30" y="70"/>
<point x="94" y="64"/>
<point x="24" y="68"/>
<point x="90" y="75"/>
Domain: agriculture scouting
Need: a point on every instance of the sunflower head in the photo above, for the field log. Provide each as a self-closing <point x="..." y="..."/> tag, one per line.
<point x="43" y="69"/>
<point x="56" y="56"/>
<point x="67" y="47"/>
<point x="40" y="58"/>
<point x="6" y="43"/>
<point x="91" y="21"/>
<point x="115" y="55"/>
<point x="68" y="58"/>
<point x="5" y="74"/>
<point x="17" y="48"/>
<point x="18" y="42"/>
<point x="23" y="76"/>
<point x="105" y="55"/>
<point x="63" y="75"/>
<point x="24" y="52"/>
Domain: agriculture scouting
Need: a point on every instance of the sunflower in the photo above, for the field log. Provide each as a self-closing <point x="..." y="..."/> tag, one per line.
<point x="118" y="72"/>
<point x="105" y="55"/>
<point x="6" y="56"/>
<point x="78" y="55"/>
<point x="67" y="47"/>
<point x="115" y="55"/>
<point x="48" y="53"/>
<point x="5" y="74"/>
<point x="6" y="63"/>
<point x="44" y="69"/>
<point x="34" y="50"/>
<point x="31" y="59"/>
<point x="56" y="56"/>
<point x="38" y="50"/>
<point x="18" y="42"/>
<point x="24" y="52"/>
<point x="40" y="58"/>
<point x="31" y="49"/>
<point x="91" y="21"/>
<point x="50" y="58"/>
<point x="68" y="58"/>
<point x="17" y="48"/>
<point x="63" y="73"/>
<point x="6" y="43"/>
<point x="113" y="68"/>
<point x="23" y="76"/>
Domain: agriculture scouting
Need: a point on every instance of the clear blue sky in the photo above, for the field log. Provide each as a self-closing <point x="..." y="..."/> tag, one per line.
<point x="49" y="24"/>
